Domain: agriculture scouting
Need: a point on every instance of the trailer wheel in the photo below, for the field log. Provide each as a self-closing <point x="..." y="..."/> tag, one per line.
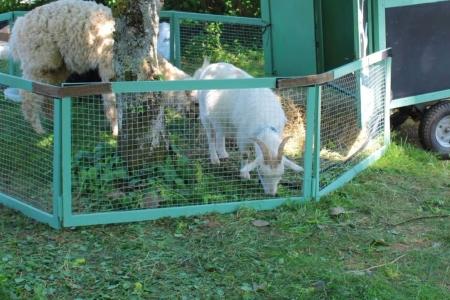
<point x="434" y="129"/>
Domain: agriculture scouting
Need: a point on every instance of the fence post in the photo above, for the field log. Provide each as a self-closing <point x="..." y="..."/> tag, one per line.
<point x="311" y="116"/>
<point x="66" y="161"/>
<point x="176" y="36"/>
<point x="316" y="154"/>
<point x="387" y="104"/>
<point x="57" y="157"/>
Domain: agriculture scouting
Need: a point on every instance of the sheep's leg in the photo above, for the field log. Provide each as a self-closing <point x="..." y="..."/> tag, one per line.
<point x="210" y="134"/>
<point x="220" y="144"/>
<point x="32" y="104"/>
<point x="109" y="103"/>
<point x="31" y="109"/>
<point x="54" y="77"/>
<point x="109" y="100"/>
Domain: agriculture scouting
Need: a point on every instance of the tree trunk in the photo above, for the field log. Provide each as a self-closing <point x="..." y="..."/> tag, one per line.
<point x="142" y="136"/>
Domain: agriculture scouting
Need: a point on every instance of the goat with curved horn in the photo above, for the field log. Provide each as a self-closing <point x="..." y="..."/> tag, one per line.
<point x="265" y="151"/>
<point x="281" y="148"/>
<point x="243" y="115"/>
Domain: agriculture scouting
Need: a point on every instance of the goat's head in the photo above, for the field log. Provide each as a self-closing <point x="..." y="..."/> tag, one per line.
<point x="270" y="167"/>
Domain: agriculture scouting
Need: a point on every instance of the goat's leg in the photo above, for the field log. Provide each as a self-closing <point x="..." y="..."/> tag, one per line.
<point x="244" y="161"/>
<point x="220" y="144"/>
<point x="210" y="134"/>
<point x="245" y="154"/>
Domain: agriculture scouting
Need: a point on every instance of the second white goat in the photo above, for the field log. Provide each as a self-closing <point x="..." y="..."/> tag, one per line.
<point x="253" y="117"/>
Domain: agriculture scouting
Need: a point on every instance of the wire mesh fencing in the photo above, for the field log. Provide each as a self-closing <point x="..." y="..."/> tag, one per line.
<point x="162" y="155"/>
<point x="352" y="120"/>
<point x="237" y="44"/>
<point x="63" y="157"/>
<point x="219" y="38"/>
<point x="26" y="159"/>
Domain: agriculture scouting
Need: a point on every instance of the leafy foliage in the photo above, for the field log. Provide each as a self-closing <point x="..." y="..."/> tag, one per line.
<point x="210" y="41"/>
<point x="11" y="5"/>
<point x="247" y="8"/>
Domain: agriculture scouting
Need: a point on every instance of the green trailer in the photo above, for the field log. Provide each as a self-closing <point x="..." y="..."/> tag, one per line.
<point x="314" y="36"/>
<point x="418" y="31"/>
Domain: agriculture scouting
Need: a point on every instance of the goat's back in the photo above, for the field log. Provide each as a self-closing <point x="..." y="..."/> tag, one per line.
<point x="239" y="111"/>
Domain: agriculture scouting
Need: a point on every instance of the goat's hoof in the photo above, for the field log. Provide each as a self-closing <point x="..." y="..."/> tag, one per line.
<point x="215" y="161"/>
<point x="224" y="155"/>
<point x="39" y="130"/>
<point x="115" y="132"/>
<point x="245" y="175"/>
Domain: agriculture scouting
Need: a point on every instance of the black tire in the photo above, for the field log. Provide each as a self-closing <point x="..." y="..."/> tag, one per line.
<point x="436" y="138"/>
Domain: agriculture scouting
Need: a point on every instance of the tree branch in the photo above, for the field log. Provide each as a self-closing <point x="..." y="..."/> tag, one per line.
<point x="418" y="218"/>
<point x="377" y="266"/>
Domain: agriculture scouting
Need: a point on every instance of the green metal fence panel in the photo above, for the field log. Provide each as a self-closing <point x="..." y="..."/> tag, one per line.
<point x="26" y="159"/>
<point x="112" y="175"/>
<point x="345" y="140"/>
<point x="236" y="40"/>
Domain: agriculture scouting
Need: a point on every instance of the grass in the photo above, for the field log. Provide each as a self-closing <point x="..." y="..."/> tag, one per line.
<point x="304" y="253"/>
<point x="365" y="253"/>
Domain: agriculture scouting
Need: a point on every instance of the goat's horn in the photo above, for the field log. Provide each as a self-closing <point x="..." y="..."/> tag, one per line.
<point x="265" y="151"/>
<point x="281" y="148"/>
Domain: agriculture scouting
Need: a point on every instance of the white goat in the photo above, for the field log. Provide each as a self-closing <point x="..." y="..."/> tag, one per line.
<point x="253" y="117"/>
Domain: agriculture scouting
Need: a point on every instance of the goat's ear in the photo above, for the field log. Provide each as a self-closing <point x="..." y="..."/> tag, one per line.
<point x="250" y="166"/>
<point x="291" y="165"/>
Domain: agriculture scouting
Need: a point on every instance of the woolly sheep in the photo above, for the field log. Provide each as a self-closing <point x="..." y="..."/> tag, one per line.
<point x="68" y="36"/>
<point x="253" y="117"/>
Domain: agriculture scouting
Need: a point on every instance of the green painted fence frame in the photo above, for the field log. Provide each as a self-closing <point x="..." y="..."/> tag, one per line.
<point x="62" y="215"/>
<point x="379" y="39"/>
<point x="176" y="17"/>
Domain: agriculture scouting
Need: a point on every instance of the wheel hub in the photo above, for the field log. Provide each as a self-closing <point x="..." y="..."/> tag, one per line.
<point x="443" y="132"/>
